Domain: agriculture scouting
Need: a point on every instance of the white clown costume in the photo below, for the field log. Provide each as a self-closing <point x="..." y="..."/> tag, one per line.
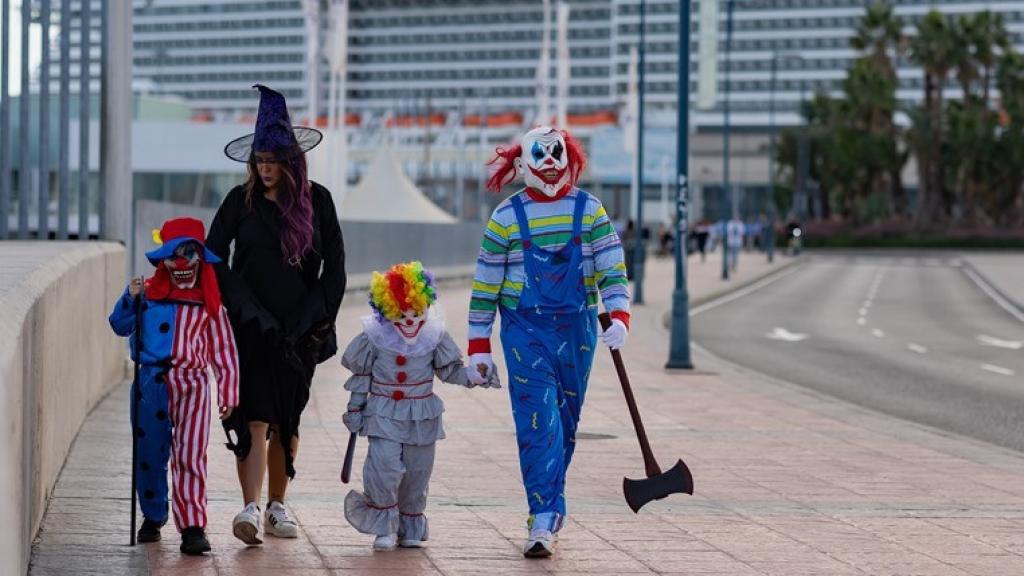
<point x="403" y="346"/>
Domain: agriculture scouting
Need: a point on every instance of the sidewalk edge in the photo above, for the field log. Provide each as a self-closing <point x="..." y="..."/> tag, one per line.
<point x="666" y="318"/>
<point x="986" y="285"/>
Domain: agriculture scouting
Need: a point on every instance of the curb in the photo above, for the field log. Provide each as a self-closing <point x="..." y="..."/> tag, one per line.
<point x="666" y="319"/>
<point x="970" y="269"/>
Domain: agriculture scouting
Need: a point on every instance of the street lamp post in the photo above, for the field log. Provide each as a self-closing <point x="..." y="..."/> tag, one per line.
<point x="679" y="343"/>
<point x="638" y="231"/>
<point x="803" y="162"/>
<point x="727" y="200"/>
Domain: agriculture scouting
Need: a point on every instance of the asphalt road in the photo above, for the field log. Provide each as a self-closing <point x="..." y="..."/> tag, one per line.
<point x="910" y="335"/>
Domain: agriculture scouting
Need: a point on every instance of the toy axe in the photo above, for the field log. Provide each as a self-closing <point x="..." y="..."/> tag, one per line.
<point x="658" y="484"/>
<point x="346" y="468"/>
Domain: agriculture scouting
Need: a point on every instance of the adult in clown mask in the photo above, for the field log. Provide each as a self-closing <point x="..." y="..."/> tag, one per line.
<point x="402" y="347"/>
<point x="184" y="331"/>
<point x="549" y="253"/>
<point x="282" y="289"/>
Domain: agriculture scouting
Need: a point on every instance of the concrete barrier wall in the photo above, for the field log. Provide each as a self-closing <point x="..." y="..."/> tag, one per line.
<point x="368" y="245"/>
<point x="58" y="358"/>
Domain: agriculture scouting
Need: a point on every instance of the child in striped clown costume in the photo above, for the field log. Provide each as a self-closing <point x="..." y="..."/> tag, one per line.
<point x="185" y="332"/>
<point x="403" y="346"/>
<point x="549" y="253"/>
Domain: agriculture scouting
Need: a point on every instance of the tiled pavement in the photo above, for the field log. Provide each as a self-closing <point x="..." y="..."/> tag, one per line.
<point x="787" y="482"/>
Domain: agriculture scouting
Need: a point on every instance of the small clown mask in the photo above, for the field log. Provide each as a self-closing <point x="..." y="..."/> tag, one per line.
<point x="544" y="163"/>
<point x="409" y="325"/>
<point x="402" y="297"/>
<point x="183" y="266"/>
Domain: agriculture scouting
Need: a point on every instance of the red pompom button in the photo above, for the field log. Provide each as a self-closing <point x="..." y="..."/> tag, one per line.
<point x="397" y="395"/>
<point x="400" y="360"/>
<point x="401" y="377"/>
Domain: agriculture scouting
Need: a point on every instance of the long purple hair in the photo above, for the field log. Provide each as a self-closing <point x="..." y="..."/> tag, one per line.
<point x="295" y="200"/>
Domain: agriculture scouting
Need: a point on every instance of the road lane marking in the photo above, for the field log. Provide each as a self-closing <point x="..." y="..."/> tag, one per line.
<point x="872" y="292"/>
<point x="999" y="342"/>
<point x="987" y="289"/>
<point x="775" y="277"/>
<point x="917" y="348"/>
<point x="878" y="333"/>
<point x="997" y="369"/>
<point x="785" y="335"/>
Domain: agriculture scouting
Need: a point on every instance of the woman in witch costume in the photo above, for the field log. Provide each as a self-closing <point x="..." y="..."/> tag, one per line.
<point x="282" y="290"/>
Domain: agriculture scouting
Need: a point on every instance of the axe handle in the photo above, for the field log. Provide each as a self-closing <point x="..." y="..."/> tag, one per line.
<point x="649" y="462"/>
<point x="346" y="468"/>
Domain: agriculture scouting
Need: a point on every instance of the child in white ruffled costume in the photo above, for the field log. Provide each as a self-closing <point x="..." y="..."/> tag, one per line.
<point x="403" y="346"/>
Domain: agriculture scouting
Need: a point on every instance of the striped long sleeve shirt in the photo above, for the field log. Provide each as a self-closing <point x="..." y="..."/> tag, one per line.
<point x="499" y="270"/>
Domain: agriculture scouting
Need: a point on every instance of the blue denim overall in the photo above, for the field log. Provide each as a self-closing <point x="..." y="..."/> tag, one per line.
<point x="549" y="342"/>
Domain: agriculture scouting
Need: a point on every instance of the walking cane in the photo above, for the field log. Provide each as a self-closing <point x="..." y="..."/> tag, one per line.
<point x="136" y="393"/>
<point x="658" y="484"/>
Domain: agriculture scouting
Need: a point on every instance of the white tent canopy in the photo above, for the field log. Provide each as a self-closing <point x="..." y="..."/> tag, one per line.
<point x="385" y="194"/>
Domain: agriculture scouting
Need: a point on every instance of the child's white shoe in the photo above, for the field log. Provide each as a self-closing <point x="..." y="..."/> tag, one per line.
<point x="410" y="543"/>
<point x="246" y="525"/>
<point x="279" y="523"/>
<point x="540" y="544"/>
<point x="385" y="543"/>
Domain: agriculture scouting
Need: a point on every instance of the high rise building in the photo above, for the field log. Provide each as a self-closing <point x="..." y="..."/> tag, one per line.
<point x="461" y="54"/>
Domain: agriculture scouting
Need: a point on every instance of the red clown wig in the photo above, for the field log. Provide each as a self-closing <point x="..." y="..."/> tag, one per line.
<point x="505" y="168"/>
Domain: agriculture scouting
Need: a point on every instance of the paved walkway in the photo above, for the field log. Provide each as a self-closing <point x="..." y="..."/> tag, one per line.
<point x="787" y="482"/>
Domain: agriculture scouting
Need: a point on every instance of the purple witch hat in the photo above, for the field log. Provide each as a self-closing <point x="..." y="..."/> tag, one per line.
<point x="274" y="131"/>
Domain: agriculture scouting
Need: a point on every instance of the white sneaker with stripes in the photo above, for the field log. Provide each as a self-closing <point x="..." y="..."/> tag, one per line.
<point x="278" y="523"/>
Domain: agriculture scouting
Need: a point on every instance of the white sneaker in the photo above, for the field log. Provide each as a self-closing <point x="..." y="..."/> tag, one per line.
<point x="385" y="543"/>
<point x="246" y="525"/>
<point x="410" y="543"/>
<point x="278" y="523"/>
<point x="540" y="544"/>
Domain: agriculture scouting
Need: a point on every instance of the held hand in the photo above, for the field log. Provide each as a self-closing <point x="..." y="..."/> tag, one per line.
<point x="226" y="411"/>
<point x="493" y="381"/>
<point x="615" y="336"/>
<point x="479" y="368"/>
<point x="135" y="287"/>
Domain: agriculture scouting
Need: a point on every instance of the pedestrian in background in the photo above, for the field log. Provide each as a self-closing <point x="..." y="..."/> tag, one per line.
<point x="734" y="232"/>
<point x="702" y="231"/>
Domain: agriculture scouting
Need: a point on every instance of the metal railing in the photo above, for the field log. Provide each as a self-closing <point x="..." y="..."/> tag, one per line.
<point x="44" y="195"/>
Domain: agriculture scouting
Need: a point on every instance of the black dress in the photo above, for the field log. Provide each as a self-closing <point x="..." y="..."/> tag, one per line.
<point x="282" y="315"/>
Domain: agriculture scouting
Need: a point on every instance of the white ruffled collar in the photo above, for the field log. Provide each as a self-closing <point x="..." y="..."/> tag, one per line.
<point x="384" y="336"/>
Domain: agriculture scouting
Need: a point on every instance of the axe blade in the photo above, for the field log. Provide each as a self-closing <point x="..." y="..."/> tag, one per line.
<point x="676" y="480"/>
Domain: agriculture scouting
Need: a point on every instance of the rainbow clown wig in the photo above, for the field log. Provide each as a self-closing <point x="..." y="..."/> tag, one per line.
<point x="404" y="287"/>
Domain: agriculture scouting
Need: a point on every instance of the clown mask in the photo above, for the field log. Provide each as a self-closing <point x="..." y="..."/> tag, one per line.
<point x="183" y="266"/>
<point x="544" y="162"/>
<point x="409" y="325"/>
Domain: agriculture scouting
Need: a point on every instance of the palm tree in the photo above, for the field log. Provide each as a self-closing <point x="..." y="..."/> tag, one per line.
<point x="932" y="49"/>
<point x="878" y="38"/>
<point x="879" y="32"/>
<point x="1009" y="204"/>
<point x="991" y="40"/>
